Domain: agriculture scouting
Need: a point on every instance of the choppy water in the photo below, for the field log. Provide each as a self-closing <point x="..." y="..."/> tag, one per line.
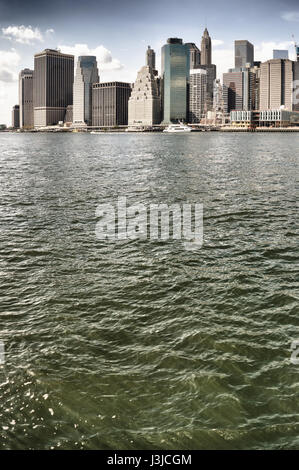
<point x="139" y="344"/>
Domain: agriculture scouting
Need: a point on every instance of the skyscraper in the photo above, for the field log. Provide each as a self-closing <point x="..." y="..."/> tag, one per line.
<point x="276" y="84"/>
<point x="239" y="90"/>
<point x="86" y="74"/>
<point x="206" y="48"/>
<point x="280" y="54"/>
<point x="15" y="118"/>
<point x="110" y="104"/>
<point x="53" y="86"/>
<point x="244" y="53"/>
<point x="197" y="94"/>
<point x="194" y="55"/>
<point x="26" y="98"/>
<point x="144" y="102"/>
<point x="175" y="77"/>
<point x="150" y="58"/>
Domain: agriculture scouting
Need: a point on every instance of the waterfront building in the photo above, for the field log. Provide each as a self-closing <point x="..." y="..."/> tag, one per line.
<point x="15" y="119"/>
<point x="86" y="75"/>
<point x="197" y="94"/>
<point x="175" y="78"/>
<point x="276" y="82"/>
<point x="26" y="98"/>
<point x="194" y="55"/>
<point x="244" y="54"/>
<point x="145" y="103"/>
<point x="280" y="54"/>
<point x="53" y="86"/>
<point x="267" y="118"/>
<point x="68" y="119"/>
<point x="110" y="104"/>
<point x="206" y="48"/>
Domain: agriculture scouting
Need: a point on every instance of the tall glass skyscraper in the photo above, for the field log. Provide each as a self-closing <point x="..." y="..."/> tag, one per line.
<point x="86" y="74"/>
<point x="175" y="77"/>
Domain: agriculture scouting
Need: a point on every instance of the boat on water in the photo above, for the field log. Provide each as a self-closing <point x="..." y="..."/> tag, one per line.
<point x="178" y="128"/>
<point x="96" y="132"/>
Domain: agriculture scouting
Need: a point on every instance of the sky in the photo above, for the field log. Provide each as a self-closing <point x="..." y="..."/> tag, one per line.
<point x="118" y="33"/>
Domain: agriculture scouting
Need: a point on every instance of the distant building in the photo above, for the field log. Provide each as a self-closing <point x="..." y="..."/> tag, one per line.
<point x="267" y="118"/>
<point x="86" y="74"/>
<point x="211" y="77"/>
<point x="276" y="81"/>
<point x="110" y="104"/>
<point x="194" y="55"/>
<point x="53" y="86"/>
<point x="26" y="98"/>
<point x="239" y="89"/>
<point x="197" y="94"/>
<point x="68" y="119"/>
<point x="280" y="54"/>
<point x="206" y="48"/>
<point x="150" y="58"/>
<point x="175" y="78"/>
<point x="145" y="102"/>
<point x="15" y="119"/>
<point x="244" y="54"/>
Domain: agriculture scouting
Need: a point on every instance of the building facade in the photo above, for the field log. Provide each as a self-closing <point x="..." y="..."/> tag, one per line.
<point x="206" y="48"/>
<point x="244" y="54"/>
<point x="175" y="79"/>
<point x="15" y="118"/>
<point x="195" y="55"/>
<point x="110" y="104"/>
<point x="53" y="86"/>
<point x="280" y="54"/>
<point x="150" y="58"/>
<point x="276" y="81"/>
<point x="197" y="94"/>
<point x="145" y="103"/>
<point x="26" y="98"/>
<point x="86" y="75"/>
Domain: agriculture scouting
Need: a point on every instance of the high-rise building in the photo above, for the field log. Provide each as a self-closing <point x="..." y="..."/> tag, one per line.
<point x="280" y="54"/>
<point x="110" y="104"/>
<point x="276" y="82"/>
<point x="53" y="86"/>
<point x="26" y="98"/>
<point x="297" y="52"/>
<point x="197" y="94"/>
<point x="206" y="48"/>
<point x="239" y="90"/>
<point x="15" y="118"/>
<point x="175" y="77"/>
<point x="244" y="54"/>
<point x="150" y="58"/>
<point x="194" y="55"/>
<point x="145" y="102"/>
<point x="86" y="74"/>
<point x="211" y="77"/>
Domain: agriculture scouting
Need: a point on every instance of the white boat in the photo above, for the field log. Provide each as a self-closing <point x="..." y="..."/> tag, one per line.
<point x="95" y="132"/>
<point x="178" y="128"/>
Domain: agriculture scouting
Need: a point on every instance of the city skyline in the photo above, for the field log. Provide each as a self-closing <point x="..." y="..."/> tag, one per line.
<point x="27" y="31"/>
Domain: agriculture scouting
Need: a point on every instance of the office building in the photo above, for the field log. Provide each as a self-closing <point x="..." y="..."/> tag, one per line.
<point x="110" y="104"/>
<point x="175" y="78"/>
<point x="26" y="98"/>
<point x="206" y="48"/>
<point x="150" y="58"/>
<point x="86" y="75"/>
<point x="244" y="54"/>
<point x="15" y="118"/>
<point x="194" y="55"/>
<point x="276" y="80"/>
<point x="197" y="94"/>
<point x="145" y="102"/>
<point x="280" y="54"/>
<point x="53" y="86"/>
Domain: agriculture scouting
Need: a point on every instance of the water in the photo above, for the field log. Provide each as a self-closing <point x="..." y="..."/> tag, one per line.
<point x="140" y="344"/>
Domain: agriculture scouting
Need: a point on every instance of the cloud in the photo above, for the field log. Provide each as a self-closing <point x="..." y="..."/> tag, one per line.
<point x="9" y="62"/>
<point x="23" y="34"/>
<point x="103" y="55"/>
<point x="217" y="42"/>
<point x="50" y="31"/>
<point x="290" y="16"/>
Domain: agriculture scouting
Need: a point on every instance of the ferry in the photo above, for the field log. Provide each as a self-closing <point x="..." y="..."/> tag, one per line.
<point x="178" y="128"/>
